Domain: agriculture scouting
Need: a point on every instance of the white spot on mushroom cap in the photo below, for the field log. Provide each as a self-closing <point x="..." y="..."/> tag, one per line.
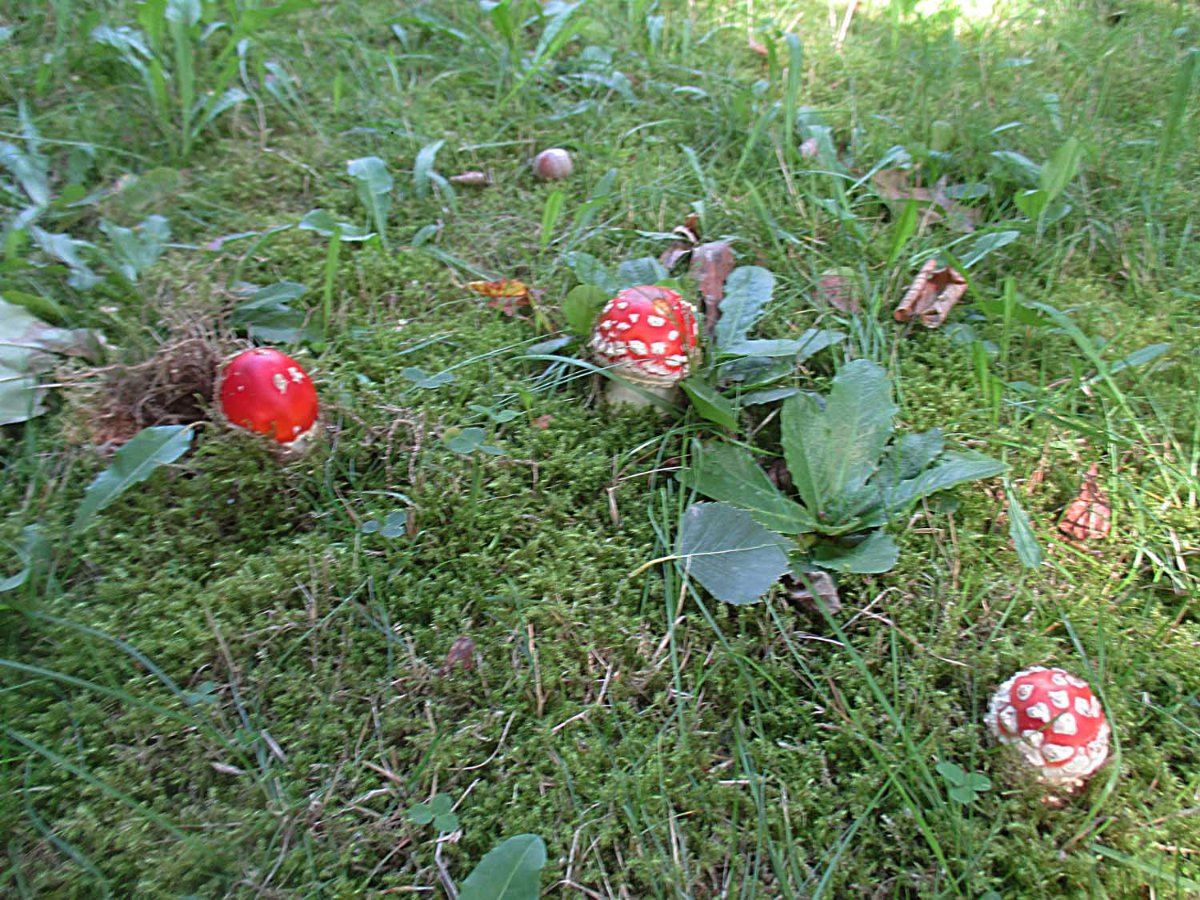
<point x="1039" y="711"/>
<point x="1065" y="723"/>
<point x="638" y="347"/>
<point x="281" y="383"/>
<point x="1058" y="698"/>
<point x="672" y="335"/>
<point x="655" y="321"/>
<point x="1057" y="753"/>
<point x="1059" y="678"/>
<point x="633" y="317"/>
<point x="1024" y="691"/>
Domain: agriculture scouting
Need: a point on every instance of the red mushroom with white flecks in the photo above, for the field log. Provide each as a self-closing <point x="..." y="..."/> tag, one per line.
<point x="647" y="336"/>
<point x="268" y="392"/>
<point x="1055" y="721"/>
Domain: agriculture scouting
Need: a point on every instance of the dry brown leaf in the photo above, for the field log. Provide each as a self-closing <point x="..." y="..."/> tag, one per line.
<point x="542" y="421"/>
<point x="756" y="47"/>
<point x="826" y="596"/>
<point x="462" y="654"/>
<point x="507" y="294"/>
<point x="838" y="288"/>
<point x="1088" y="517"/>
<point x="931" y="295"/>
<point x="689" y="237"/>
<point x="892" y="184"/>
<point x="471" y="179"/>
<point x="711" y="265"/>
<point x="809" y="148"/>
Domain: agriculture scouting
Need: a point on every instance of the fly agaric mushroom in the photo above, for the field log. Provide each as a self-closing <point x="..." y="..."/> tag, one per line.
<point x="1056" y="723"/>
<point x="647" y="336"/>
<point x="268" y="392"/>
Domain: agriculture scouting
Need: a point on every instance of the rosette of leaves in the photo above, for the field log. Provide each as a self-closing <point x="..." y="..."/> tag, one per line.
<point x="851" y="476"/>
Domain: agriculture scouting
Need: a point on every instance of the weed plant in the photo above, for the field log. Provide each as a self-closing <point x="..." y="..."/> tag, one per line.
<point x="235" y="682"/>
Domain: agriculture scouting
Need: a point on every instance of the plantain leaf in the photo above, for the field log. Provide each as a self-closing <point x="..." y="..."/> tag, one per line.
<point x="748" y="290"/>
<point x="730" y="473"/>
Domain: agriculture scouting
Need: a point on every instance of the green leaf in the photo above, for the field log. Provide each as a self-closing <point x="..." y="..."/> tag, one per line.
<point x="953" y="468"/>
<point x="420" y="813"/>
<point x="581" y="306"/>
<point x="323" y="223"/>
<point x="710" y="403"/>
<point x="1032" y="203"/>
<point x="423" y="166"/>
<point x="590" y="270"/>
<point x="374" y="186"/>
<point x="731" y="555"/>
<point x="952" y="772"/>
<point x="268" y="317"/>
<point x="135" y="250"/>
<point x="394" y="525"/>
<point x="905" y="228"/>
<point x="510" y="871"/>
<point x="34" y="552"/>
<point x="634" y="272"/>
<point x="730" y="473"/>
<point x="1029" y="552"/>
<point x="878" y="553"/>
<point x="1061" y="168"/>
<point x="988" y="243"/>
<point x="423" y="379"/>
<point x="748" y="290"/>
<point x="550" y="213"/>
<point x="831" y="453"/>
<point x="149" y="449"/>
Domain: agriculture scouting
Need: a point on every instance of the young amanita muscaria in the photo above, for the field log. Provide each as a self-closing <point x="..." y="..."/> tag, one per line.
<point x="647" y="335"/>
<point x="268" y="392"/>
<point x="1056" y="723"/>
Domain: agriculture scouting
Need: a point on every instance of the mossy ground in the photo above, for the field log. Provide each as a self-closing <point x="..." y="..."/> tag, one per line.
<point x="226" y="687"/>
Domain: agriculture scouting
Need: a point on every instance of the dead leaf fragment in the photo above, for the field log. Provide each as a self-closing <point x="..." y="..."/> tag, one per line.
<point x="461" y="654"/>
<point x="471" y="179"/>
<point x="892" y="184"/>
<point x="809" y="148"/>
<point x="1089" y="516"/>
<point x="689" y="237"/>
<point x="756" y="47"/>
<point x="507" y="294"/>
<point x="710" y="266"/>
<point x="931" y="295"/>
<point x="542" y="422"/>
<point x="826" y="597"/>
<point x="838" y="288"/>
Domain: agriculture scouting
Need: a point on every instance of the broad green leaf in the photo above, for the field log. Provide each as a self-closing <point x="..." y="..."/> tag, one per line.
<point x="374" y="186"/>
<point x="510" y="871"/>
<point x="268" y="317"/>
<point x="910" y="455"/>
<point x="550" y="213"/>
<point x="811" y="342"/>
<point x="831" y="453"/>
<point x="731" y="555"/>
<point x="1138" y="357"/>
<point x="590" y="270"/>
<point x="710" y="403"/>
<point x="1029" y="552"/>
<point x="635" y="272"/>
<point x="30" y="170"/>
<point x="133" y="250"/>
<point x="1032" y="203"/>
<point x="730" y="473"/>
<point x="323" y="223"/>
<point x="423" y="166"/>
<point x="34" y="551"/>
<point x="1061" y="168"/>
<point x="149" y="449"/>
<point x="581" y="306"/>
<point x="951" y="469"/>
<point x="878" y="553"/>
<point x="1020" y="165"/>
<point x="748" y="290"/>
<point x="905" y="228"/>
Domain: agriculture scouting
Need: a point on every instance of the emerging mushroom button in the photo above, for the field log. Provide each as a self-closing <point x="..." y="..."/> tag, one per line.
<point x="647" y="335"/>
<point x="1055" y="721"/>
<point x="267" y="392"/>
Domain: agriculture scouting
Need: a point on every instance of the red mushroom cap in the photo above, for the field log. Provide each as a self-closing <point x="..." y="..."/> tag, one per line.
<point x="268" y="392"/>
<point x="1056" y="722"/>
<point x="647" y="332"/>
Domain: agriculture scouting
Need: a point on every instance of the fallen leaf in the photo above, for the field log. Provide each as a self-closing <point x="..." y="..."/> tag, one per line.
<point x="507" y="294"/>
<point x="838" y="288"/>
<point x="462" y="654"/>
<point x="756" y="47"/>
<point x="689" y="237"/>
<point x="1088" y="517"/>
<point x="892" y="184"/>
<point x="826" y="597"/>
<point x="809" y="148"/>
<point x="471" y="179"/>
<point x="710" y="266"/>
<point x="931" y="295"/>
<point x="542" y="421"/>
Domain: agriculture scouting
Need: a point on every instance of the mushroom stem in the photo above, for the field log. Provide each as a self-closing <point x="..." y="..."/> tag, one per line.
<point x="620" y="392"/>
